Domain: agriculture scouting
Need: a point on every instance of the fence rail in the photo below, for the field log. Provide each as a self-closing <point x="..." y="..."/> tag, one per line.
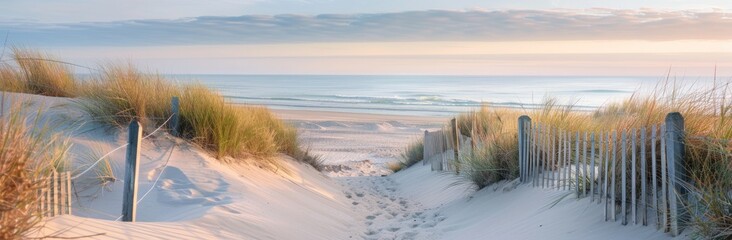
<point x="612" y="167"/>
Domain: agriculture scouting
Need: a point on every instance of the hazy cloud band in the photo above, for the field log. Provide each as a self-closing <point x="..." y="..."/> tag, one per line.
<point x="508" y="25"/>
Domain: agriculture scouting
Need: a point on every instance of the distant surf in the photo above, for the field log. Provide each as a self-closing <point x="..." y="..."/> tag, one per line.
<point x="418" y="95"/>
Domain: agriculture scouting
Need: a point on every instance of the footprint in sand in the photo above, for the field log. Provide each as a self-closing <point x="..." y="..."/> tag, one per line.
<point x="428" y="225"/>
<point x="354" y="203"/>
<point x="394" y="229"/>
<point x="370" y="217"/>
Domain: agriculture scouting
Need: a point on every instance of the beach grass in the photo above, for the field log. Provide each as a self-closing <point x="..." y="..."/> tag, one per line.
<point x="707" y="113"/>
<point x="28" y="153"/>
<point x="34" y="72"/>
<point x="412" y="154"/>
<point x="117" y="93"/>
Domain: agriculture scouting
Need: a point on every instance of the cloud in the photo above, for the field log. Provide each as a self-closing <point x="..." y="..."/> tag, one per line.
<point x="507" y="25"/>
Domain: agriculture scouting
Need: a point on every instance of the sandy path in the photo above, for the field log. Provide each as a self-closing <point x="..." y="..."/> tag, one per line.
<point x="388" y="213"/>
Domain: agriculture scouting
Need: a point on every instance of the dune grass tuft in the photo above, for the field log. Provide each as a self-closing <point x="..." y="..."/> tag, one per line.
<point x="38" y="73"/>
<point x="121" y="93"/>
<point x="494" y="154"/>
<point x="412" y="154"/>
<point x="27" y="154"/>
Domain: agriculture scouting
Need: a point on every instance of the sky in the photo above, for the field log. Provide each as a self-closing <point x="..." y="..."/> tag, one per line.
<point x="456" y="37"/>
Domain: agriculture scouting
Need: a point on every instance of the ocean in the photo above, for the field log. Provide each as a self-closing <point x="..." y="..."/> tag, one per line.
<point x="418" y="95"/>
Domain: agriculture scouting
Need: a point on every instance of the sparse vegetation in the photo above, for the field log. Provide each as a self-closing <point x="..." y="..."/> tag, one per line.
<point x="119" y="93"/>
<point x="37" y="73"/>
<point x="412" y="154"/>
<point x="707" y="121"/>
<point x="27" y="153"/>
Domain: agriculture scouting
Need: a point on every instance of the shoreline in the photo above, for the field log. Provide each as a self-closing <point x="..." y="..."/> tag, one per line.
<point x="311" y="115"/>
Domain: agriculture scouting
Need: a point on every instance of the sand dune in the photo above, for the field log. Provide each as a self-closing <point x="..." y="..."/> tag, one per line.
<point x="193" y="196"/>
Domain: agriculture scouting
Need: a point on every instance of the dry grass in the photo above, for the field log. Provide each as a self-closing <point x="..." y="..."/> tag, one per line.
<point x="495" y="153"/>
<point x="708" y="153"/>
<point x="121" y="93"/>
<point x="412" y="154"/>
<point x="37" y="73"/>
<point x="27" y="153"/>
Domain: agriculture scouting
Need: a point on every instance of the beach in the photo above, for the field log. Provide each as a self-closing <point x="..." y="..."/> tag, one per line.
<point x="187" y="194"/>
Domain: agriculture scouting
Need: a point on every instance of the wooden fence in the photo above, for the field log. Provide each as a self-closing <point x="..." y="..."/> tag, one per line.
<point x="442" y="148"/>
<point x="55" y="196"/>
<point x="637" y="173"/>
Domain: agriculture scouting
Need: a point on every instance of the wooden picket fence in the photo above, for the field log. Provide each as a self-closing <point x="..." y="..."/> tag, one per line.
<point x="637" y="173"/>
<point x="442" y="148"/>
<point x="55" y="196"/>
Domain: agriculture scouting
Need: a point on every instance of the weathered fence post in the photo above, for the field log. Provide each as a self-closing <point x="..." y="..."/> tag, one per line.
<point x="175" y="120"/>
<point x="676" y="170"/>
<point x="623" y="176"/>
<point x="576" y="165"/>
<point x="425" y="148"/>
<point x="129" y="200"/>
<point x="456" y="144"/>
<point x="664" y="183"/>
<point x="523" y="122"/>
<point x="654" y="177"/>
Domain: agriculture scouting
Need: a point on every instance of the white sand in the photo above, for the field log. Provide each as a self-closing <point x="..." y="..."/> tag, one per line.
<point x="346" y="140"/>
<point x="199" y="198"/>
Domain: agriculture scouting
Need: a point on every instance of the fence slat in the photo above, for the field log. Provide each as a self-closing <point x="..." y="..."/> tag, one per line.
<point x="535" y="157"/>
<point x="554" y="158"/>
<point x="592" y="167"/>
<point x="576" y="164"/>
<point x="49" y="201"/>
<point x="613" y="203"/>
<point x="62" y="193"/>
<point x="664" y="189"/>
<point x="633" y="191"/>
<point x="623" y="176"/>
<point x="600" y="167"/>
<point x="456" y="144"/>
<point x="584" y="166"/>
<point x="605" y="183"/>
<point x="568" y="160"/>
<point x="538" y="155"/>
<point x="676" y="171"/>
<point x="654" y="176"/>
<point x="545" y="146"/>
<point x="643" y="158"/>
<point x="68" y="192"/>
<point x="425" y="151"/>
<point x="560" y="167"/>
<point x="54" y="194"/>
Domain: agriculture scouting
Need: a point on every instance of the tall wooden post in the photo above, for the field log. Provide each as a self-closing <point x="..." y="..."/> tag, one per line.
<point x="456" y="144"/>
<point x="132" y="167"/>
<point x="676" y="170"/>
<point x="523" y="124"/>
<point x="175" y="120"/>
